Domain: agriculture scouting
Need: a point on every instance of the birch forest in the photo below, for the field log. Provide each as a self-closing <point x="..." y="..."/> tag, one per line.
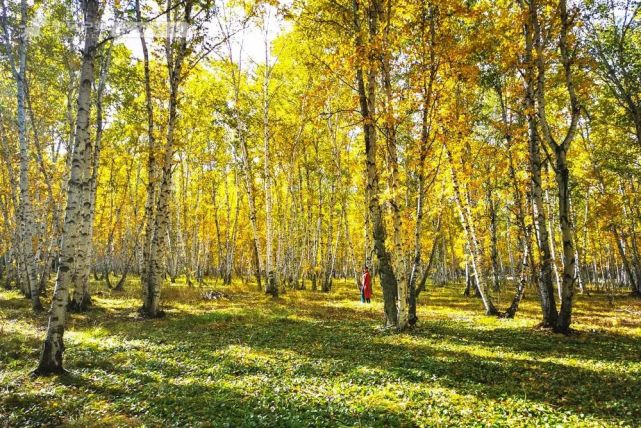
<point x="320" y="213"/>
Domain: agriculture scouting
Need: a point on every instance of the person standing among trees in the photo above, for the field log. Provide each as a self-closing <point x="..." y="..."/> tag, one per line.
<point x="366" y="287"/>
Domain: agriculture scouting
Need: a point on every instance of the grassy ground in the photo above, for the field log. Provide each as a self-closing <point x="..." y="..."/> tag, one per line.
<point x="314" y="359"/>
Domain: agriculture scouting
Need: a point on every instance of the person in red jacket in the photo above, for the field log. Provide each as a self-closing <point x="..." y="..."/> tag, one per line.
<point x="366" y="287"/>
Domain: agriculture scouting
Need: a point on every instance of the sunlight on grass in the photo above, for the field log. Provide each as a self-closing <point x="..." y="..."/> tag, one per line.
<point x="311" y="358"/>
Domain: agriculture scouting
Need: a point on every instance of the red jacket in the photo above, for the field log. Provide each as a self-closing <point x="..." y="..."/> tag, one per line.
<point x="367" y="285"/>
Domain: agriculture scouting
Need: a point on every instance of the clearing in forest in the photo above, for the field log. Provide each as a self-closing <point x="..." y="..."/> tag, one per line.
<point x="316" y="359"/>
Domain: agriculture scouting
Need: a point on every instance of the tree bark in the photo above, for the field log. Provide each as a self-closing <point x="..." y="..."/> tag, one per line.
<point x="152" y="168"/>
<point x="271" y="286"/>
<point x="81" y="299"/>
<point x="546" y="288"/>
<point x="26" y="224"/>
<point x="51" y="358"/>
<point x="367" y="88"/>
<point x="472" y="241"/>
<point x="176" y="50"/>
<point x="560" y="150"/>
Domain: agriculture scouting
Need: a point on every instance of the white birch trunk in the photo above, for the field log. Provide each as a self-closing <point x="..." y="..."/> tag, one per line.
<point x="26" y="224"/>
<point x="51" y="358"/>
<point x="81" y="299"/>
<point x="470" y="234"/>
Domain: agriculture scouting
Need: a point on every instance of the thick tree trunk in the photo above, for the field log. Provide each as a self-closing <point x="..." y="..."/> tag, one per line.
<point x="398" y="259"/>
<point x="51" y="358"/>
<point x="367" y="99"/>
<point x="551" y="235"/>
<point x="81" y="299"/>
<point x="569" y="268"/>
<point x="546" y="288"/>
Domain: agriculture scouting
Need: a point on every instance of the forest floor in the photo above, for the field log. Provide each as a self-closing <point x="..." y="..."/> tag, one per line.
<point x="315" y="359"/>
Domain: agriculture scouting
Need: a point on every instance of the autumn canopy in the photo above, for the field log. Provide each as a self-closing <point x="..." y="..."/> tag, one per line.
<point x="204" y="158"/>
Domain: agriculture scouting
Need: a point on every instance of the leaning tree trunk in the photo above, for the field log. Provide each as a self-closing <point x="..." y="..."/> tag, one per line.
<point x="470" y="233"/>
<point x="51" y="358"/>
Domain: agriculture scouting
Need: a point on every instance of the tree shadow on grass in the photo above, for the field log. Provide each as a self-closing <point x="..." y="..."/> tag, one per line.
<point x="598" y="346"/>
<point x="219" y="401"/>
<point x="339" y="350"/>
<point x="269" y="365"/>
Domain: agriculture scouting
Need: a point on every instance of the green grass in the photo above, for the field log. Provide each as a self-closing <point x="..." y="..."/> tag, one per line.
<point x="314" y="359"/>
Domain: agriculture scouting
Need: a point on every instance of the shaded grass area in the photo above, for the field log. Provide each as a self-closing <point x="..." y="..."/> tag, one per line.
<point x="314" y="359"/>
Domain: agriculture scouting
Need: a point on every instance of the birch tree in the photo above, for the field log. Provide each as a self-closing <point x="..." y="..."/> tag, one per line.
<point x="26" y="226"/>
<point x="51" y="358"/>
<point x="560" y="145"/>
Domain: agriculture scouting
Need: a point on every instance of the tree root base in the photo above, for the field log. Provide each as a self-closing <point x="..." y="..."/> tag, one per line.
<point x="144" y="314"/>
<point x="49" y="371"/>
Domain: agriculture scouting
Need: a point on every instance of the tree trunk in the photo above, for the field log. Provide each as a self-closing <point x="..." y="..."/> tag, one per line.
<point x="494" y="252"/>
<point x="569" y="268"/>
<point x="152" y="168"/>
<point x="81" y="299"/>
<point x="470" y="234"/>
<point x="546" y="288"/>
<point x="551" y="235"/>
<point x="624" y="258"/>
<point x="367" y="100"/>
<point x="520" y="288"/>
<point x="51" y="358"/>
<point x="176" y="52"/>
<point x="560" y="149"/>
<point x="271" y="287"/>
<point x="389" y="126"/>
<point x="26" y="224"/>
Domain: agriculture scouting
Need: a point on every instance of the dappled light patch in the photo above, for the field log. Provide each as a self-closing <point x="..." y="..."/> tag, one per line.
<point x="318" y="358"/>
